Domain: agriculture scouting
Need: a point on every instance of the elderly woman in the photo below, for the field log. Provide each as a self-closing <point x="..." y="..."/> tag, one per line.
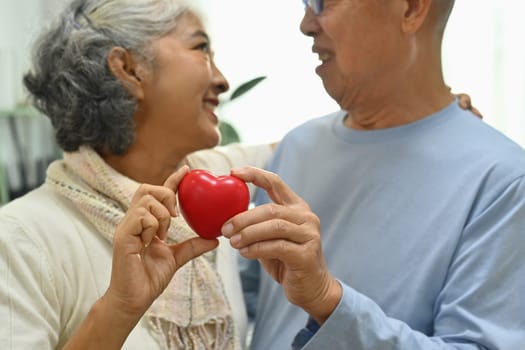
<point x="89" y="258"/>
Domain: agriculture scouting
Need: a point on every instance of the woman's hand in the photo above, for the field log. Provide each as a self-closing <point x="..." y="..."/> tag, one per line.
<point x="143" y="263"/>
<point x="285" y="237"/>
<point x="465" y="102"/>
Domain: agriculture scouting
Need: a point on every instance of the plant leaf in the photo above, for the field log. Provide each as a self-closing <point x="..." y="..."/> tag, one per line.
<point x="228" y="133"/>
<point x="245" y="87"/>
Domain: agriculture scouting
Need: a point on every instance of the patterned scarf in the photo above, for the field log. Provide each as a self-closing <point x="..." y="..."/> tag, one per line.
<point x="192" y="312"/>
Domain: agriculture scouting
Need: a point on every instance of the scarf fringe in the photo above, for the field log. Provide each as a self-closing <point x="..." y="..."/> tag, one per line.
<point x="196" y="337"/>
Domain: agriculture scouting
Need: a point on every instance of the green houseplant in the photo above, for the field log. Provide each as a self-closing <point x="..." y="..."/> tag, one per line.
<point x="227" y="130"/>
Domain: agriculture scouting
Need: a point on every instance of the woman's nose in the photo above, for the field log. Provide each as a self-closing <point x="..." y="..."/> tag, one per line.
<point x="219" y="81"/>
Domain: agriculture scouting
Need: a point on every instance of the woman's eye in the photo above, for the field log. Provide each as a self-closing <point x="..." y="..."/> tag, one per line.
<point x="204" y="47"/>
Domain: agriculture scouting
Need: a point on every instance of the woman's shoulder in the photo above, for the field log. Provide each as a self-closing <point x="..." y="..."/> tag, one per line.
<point x="47" y="219"/>
<point x="47" y="246"/>
<point x="37" y="207"/>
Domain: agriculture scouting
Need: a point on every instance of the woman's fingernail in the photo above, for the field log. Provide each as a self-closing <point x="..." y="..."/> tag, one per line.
<point x="227" y="229"/>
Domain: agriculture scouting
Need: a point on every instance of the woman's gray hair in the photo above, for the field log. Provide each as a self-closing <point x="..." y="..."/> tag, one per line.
<point x="70" y="81"/>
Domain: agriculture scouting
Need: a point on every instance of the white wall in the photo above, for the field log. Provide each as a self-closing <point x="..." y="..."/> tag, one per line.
<point x="17" y="22"/>
<point x="484" y="55"/>
<point x="20" y="23"/>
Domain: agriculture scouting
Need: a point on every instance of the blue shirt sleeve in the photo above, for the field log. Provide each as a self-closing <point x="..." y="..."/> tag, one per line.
<point x="479" y="307"/>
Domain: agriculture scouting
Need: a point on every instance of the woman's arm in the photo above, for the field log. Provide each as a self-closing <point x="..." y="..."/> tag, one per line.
<point x="143" y="265"/>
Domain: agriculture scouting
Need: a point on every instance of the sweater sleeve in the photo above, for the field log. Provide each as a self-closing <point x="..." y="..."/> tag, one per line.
<point x="479" y="307"/>
<point x="30" y="308"/>
<point x="220" y="160"/>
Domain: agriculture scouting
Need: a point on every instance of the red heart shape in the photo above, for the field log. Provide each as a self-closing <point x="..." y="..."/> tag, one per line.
<point x="207" y="201"/>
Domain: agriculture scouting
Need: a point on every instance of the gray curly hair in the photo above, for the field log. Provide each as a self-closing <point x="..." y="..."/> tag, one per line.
<point x="70" y="81"/>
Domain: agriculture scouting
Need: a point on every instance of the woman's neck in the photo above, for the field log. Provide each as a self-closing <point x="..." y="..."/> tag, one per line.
<point x="143" y="165"/>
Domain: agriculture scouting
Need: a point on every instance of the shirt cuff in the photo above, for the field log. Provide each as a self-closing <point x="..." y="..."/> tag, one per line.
<point x="305" y="334"/>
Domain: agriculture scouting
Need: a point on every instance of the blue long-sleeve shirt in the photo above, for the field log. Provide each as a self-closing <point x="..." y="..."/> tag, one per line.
<point x="424" y="226"/>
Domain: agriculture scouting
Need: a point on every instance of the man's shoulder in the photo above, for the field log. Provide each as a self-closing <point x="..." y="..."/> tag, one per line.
<point x="486" y="139"/>
<point x="315" y="126"/>
<point x="479" y="147"/>
<point x="462" y="133"/>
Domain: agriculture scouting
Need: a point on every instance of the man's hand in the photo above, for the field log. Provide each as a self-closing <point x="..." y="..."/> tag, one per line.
<point x="285" y="237"/>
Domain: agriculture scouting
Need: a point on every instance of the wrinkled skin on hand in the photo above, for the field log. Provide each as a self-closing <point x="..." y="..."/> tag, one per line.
<point x="285" y="237"/>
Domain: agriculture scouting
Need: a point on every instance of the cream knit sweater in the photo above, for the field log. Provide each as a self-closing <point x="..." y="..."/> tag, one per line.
<point x="54" y="265"/>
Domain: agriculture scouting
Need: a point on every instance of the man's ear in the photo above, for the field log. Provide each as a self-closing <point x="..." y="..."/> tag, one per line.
<point x="127" y="71"/>
<point x="415" y="14"/>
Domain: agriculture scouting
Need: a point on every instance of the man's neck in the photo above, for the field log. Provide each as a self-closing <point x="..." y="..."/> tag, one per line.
<point x="387" y="115"/>
<point x="401" y="99"/>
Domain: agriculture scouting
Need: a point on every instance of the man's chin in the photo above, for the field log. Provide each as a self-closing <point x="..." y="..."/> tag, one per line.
<point x="334" y="93"/>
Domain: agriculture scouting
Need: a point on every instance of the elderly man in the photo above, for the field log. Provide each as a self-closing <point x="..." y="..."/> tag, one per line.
<point x="401" y="223"/>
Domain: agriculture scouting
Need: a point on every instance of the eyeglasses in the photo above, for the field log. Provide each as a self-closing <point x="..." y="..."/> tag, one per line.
<point x="316" y="5"/>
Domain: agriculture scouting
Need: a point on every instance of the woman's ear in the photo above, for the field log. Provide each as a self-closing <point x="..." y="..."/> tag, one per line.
<point x="127" y="71"/>
<point x="415" y="14"/>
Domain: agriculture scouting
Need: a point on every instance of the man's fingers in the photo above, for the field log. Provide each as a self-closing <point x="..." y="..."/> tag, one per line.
<point x="192" y="248"/>
<point x="272" y="230"/>
<point x="283" y="216"/>
<point x="283" y="250"/>
<point x="278" y="191"/>
<point x="270" y="221"/>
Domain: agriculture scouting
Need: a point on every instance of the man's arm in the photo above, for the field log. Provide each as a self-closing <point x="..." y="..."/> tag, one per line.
<point x="478" y="307"/>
